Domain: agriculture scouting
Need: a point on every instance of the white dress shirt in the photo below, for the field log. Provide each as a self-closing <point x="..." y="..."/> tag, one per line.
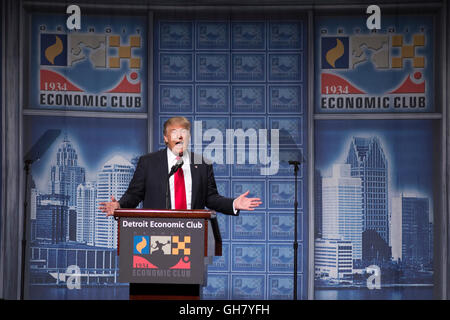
<point x="171" y="161"/>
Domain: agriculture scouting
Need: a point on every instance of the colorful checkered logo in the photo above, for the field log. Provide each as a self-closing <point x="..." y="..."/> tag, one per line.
<point x="178" y="246"/>
<point x="408" y="51"/>
<point x="125" y="52"/>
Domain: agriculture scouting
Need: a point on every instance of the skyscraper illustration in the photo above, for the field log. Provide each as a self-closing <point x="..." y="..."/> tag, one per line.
<point x="66" y="175"/>
<point x="368" y="162"/>
<point x="113" y="179"/>
<point x="52" y="218"/>
<point x="342" y="208"/>
<point x="333" y="258"/>
<point x="413" y="246"/>
<point x="415" y="230"/>
<point x="86" y="197"/>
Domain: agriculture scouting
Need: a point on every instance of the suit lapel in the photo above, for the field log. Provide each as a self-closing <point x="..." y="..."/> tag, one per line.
<point x="163" y="170"/>
<point x="195" y="176"/>
<point x="163" y="166"/>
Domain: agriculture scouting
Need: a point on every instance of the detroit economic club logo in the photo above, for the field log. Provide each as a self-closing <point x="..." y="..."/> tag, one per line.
<point x="161" y="252"/>
<point x="111" y="65"/>
<point x="394" y="71"/>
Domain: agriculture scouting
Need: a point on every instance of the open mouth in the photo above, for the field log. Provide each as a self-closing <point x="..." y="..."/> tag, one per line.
<point x="179" y="143"/>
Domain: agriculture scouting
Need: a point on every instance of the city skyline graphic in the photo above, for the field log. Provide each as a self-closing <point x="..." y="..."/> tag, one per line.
<point x="67" y="186"/>
<point x="405" y="209"/>
<point x="66" y="223"/>
<point x="85" y="165"/>
<point x="366" y="213"/>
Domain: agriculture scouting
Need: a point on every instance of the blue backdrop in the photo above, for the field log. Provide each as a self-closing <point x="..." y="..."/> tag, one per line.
<point x="248" y="75"/>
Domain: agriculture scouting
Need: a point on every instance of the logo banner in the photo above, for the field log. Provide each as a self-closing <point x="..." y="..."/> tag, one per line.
<point x="102" y="67"/>
<point x="362" y="71"/>
<point x="159" y="250"/>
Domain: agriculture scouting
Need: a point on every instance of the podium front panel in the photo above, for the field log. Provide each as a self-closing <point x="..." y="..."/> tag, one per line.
<point x="162" y="250"/>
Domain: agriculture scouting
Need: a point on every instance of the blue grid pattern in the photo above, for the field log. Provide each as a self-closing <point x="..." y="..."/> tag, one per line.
<point x="243" y="75"/>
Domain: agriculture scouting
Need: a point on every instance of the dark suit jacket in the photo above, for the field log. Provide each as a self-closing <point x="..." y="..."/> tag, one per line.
<point x="149" y="184"/>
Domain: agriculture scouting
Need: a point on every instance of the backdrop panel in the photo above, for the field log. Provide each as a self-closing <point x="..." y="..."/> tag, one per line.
<point x="374" y="211"/>
<point x="247" y="75"/>
<point x="102" y="67"/>
<point x="358" y="70"/>
<point x="92" y="159"/>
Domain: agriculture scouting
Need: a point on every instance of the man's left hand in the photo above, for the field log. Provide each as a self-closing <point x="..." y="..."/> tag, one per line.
<point x="244" y="203"/>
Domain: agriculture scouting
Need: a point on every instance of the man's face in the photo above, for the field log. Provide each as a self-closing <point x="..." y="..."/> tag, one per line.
<point x="177" y="138"/>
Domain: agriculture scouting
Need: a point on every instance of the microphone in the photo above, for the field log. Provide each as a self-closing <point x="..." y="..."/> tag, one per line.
<point x="176" y="166"/>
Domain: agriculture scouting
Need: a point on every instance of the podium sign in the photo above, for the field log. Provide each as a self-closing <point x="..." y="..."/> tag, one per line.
<point x="162" y="250"/>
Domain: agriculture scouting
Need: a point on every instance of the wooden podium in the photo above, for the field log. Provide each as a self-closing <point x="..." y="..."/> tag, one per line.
<point x="164" y="254"/>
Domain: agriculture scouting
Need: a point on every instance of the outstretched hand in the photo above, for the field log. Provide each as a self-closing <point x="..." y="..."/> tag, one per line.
<point x="109" y="207"/>
<point x="244" y="203"/>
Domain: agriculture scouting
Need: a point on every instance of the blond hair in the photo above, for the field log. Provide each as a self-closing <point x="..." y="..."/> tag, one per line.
<point x="183" y="121"/>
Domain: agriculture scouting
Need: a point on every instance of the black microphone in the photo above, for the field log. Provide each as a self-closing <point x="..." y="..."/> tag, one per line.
<point x="176" y="166"/>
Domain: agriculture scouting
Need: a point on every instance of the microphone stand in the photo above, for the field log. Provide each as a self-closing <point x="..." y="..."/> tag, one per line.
<point x="34" y="154"/>
<point x="167" y="194"/>
<point x="24" y="231"/>
<point x="295" y="164"/>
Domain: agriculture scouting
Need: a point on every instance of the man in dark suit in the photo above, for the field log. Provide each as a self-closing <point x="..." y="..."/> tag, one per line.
<point x="192" y="186"/>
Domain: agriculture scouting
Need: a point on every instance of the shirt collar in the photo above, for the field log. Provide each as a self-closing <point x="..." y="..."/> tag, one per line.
<point x="172" y="158"/>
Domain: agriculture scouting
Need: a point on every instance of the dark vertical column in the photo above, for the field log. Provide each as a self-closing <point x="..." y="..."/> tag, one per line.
<point x="446" y="119"/>
<point x="1" y="141"/>
<point x="12" y="165"/>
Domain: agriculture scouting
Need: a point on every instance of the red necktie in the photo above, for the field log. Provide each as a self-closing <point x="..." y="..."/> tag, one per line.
<point x="180" y="190"/>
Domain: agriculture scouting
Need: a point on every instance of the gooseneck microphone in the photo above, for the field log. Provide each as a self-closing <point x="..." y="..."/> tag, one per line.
<point x="176" y="166"/>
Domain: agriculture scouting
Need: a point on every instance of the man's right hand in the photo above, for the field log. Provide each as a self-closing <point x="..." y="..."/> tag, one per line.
<point x="109" y="207"/>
